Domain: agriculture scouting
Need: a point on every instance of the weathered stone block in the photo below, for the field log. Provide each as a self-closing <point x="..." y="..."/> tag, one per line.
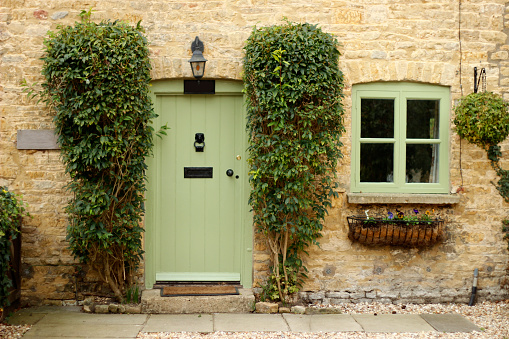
<point x="284" y="310"/>
<point x="121" y="308"/>
<point x="41" y="14"/>
<point x="266" y="307"/>
<point x="59" y="15"/>
<point x="132" y="309"/>
<point x="113" y="308"/>
<point x="338" y="301"/>
<point x="500" y="55"/>
<point x="371" y="295"/>
<point x="336" y="295"/>
<point x="316" y="296"/>
<point x="87" y="309"/>
<point x="102" y="309"/>
<point x="298" y="309"/>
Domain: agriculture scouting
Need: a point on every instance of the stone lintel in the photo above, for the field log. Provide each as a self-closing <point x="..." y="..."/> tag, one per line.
<point x="395" y="198"/>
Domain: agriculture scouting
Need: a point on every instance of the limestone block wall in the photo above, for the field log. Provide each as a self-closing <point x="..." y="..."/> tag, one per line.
<point x="437" y="42"/>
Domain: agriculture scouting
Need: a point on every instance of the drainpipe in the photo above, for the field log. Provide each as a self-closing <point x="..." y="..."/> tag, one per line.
<point x="474" y="288"/>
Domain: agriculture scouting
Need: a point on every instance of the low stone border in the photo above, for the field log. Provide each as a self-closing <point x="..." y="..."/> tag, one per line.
<point x="90" y="306"/>
<point x="267" y="307"/>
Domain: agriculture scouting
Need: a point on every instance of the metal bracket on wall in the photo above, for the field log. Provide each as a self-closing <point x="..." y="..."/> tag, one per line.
<point x="481" y="79"/>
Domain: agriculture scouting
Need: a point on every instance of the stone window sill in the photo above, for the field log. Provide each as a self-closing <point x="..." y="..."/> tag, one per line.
<point x="394" y="198"/>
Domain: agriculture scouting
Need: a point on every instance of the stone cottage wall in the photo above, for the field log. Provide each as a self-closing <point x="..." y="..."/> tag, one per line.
<point x="437" y="42"/>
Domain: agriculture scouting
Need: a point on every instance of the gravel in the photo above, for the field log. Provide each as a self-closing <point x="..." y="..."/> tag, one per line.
<point x="13" y="331"/>
<point x="491" y="317"/>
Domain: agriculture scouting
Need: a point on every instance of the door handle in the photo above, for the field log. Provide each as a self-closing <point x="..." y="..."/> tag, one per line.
<point x="229" y="172"/>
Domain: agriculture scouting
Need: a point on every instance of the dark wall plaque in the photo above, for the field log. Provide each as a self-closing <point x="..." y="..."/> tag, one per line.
<point x="199" y="86"/>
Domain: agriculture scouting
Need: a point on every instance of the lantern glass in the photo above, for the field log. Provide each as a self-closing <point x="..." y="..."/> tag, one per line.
<point x="197" y="62"/>
<point x="198" y="68"/>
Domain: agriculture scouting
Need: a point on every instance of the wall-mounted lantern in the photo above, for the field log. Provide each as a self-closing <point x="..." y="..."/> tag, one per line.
<point x="197" y="61"/>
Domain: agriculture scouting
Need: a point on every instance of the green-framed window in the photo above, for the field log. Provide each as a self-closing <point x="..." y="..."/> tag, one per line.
<point x="400" y="138"/>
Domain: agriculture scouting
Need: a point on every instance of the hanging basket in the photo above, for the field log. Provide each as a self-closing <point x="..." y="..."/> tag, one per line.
<point x="408" y="233"/>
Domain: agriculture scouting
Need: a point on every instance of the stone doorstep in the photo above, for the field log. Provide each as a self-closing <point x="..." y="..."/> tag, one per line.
<point x="152" y="302"/>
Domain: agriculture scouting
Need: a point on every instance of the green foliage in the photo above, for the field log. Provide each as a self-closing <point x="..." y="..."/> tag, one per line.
<point x="270" y="291"/>
<point x="96" y="79"/>
<point x="494" y="154"/>
<point x="505" y="230"/>
<point x="482" y="119"/>
<point x="294" y="89"/>
<point x="12" y="209"/>
<point x="132" y="295"/>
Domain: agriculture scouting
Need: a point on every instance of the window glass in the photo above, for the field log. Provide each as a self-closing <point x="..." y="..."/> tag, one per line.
<point x="377" y="162"/>
<point x="377" y="118"/>
<point x="422" y="119"/>
<point x="422" y="163"/>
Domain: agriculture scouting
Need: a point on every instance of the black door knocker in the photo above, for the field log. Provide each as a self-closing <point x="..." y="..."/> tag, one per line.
<point x="199" y="142"/>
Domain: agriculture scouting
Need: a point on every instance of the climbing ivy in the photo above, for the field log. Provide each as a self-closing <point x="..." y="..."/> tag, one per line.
<point x="12" y="209"/>
<point x="96" y="80"/>
<point x="483" y="119"/>
<point x="293" y="87"/>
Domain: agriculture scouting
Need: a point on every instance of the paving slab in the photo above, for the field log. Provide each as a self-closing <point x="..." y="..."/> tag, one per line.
<point x="69" y="322"/>
<point x="93" y="319"/>
<point x="31" y="315"/>
<point x="25" y="318"/>
<point x="88" y="330"/>
<point x="249" y="322"/>
<point x="51" y="309"/>
<point x="393" y="323"/>
<point x="202" y="323"/>
<point x="450" y="323"/>
<point x="322" y="323"/>
<point x="66" y="337"/>
<point x="52" y="337"/>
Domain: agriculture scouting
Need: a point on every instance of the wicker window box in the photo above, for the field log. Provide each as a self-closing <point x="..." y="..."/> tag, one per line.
<point x="408" y="233"/>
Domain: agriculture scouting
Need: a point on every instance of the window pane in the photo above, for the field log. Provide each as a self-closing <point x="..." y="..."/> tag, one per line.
<point x="377" y="118"/>
<point x="422" y="163"/>
<point x="422" y="119"/>
<point x="377" y="163"/>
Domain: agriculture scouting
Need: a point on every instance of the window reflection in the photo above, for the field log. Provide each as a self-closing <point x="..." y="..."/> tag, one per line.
<point x="377" y="163"/>
<point x="422" y="119"/>
<point x="422" y="163"/>
<point x="377" y="118"/>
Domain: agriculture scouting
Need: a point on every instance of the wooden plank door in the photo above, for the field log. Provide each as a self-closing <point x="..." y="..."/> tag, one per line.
<point x="197" y="206"/>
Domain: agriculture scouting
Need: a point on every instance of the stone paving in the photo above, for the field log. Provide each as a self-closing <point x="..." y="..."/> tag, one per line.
<point x="70" y="322"/>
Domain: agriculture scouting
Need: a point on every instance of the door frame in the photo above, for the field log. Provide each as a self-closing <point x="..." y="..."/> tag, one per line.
<point x="176" y="87"/>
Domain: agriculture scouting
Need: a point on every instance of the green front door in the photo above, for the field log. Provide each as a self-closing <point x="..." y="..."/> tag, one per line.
<point x="197" y="214"/>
